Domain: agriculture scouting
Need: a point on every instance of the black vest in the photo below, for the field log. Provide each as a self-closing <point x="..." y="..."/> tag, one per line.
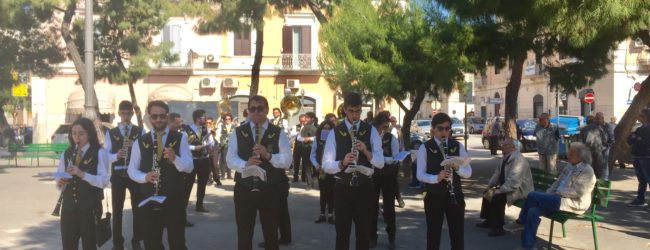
<point x="388" y="169"/>
<point x="79" y="192"/>
<point x="196" y="139"/>
<point x="117" y="141"/>
<point x="434" y="158"/>
<point x="225" y="134"/>
<point x="344" y="146"/>
<point x="245" y="143"/>
<point x="171" y="182"/>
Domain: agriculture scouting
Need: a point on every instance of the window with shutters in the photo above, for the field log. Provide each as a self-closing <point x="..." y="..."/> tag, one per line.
<point x="242" y="43"/>
<point x="296" y="47"/>
<point x="172" y="34"/>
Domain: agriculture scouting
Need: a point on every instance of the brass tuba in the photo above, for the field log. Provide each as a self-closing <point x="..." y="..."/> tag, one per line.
<point x="290" y="105"/>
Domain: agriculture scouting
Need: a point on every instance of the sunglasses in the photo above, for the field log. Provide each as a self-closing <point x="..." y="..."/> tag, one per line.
<point x="441" y="128"/>
<point x="158" y="116"/>
<point x="256" y="109"/>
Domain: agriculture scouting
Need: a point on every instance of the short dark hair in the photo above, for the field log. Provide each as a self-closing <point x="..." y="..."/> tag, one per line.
<point x="258" y="98"/>
<point x="87" y="125"/>
<point x="313" y="117"/>
<point x="274" y="109"/>
<point x="380" y="119"/>
<point x="440" y="118"/>
<point x="157" y="103"/>
<point x="174" y="115"/>
<point x="209" y="118"/>
<point x="352" y="99"/>
<point x="126" y="105"/>
<point x="301" y="116"/>
<point x="329" y="116"/>
<point x="226" y="114"/>
<point x="197" y="114"/>
<point x="245" y="113"/>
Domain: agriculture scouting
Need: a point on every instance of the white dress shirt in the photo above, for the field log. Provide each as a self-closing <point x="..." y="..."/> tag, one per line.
<point x="230" y="127"/>
<point x="280" y="160"/>
<point x="99" y="180"/>
<point x="464" y="171"/>
<point x="331" y="165"/>
<point x="394" y="148"/>
<point x="312" y="154"/>
<point x="183" y="162"/>
<point x="108" y="144"/>
<point x="197" y="131"/>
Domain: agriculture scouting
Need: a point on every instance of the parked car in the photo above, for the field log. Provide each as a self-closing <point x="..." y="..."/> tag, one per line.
<point x="488" y="127"/>
<point x="60" y="136"/>
<point x="422" y="127"/>
<point x="526" y="134"/>
<point x="457" y="128"/>
<point x="569" y="130"/>
<point x="475" y="125"/>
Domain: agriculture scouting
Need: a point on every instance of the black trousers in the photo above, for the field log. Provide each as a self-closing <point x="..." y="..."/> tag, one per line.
<point x="307" y="168"/>
<point x="202" y="172"/>
<point x="297" y="164"/>
<point x="352" y="205"/>
<point x="119" y="185"/>
<point x="494" y="144"/>
<point x="223" y="165"/>
<point x="171" y="216"/>
<point x="78" y="222"/>
<point x="247" y="204"/>
<point x="326" y="186"/>
<point x="387" y="186"/>
<point x="436" y="207"/>
<point x="284" y="223"/>
<point x="494" y="211"/>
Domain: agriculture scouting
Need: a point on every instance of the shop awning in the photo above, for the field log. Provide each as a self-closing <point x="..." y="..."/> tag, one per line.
<point x="105" y="99"/>
<point x="171" y="93"/>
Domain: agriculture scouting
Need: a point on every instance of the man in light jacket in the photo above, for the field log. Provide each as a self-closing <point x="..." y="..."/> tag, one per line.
<point x="571" y="192"/>
<point x="510" y="182"/>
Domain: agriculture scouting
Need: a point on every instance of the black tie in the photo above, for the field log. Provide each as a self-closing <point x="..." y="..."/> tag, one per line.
<point x="502" y="175"/>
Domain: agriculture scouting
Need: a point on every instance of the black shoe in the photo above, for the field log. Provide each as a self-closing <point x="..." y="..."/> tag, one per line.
<point x="284" y="243"/>
<point x="391" y="245"/>
<point x="135" y="245"/>
<point x="320" y="219"/>
<point x="330" y="220"/>
<point x="636" y="203"/>
<point x="219" y="183"/>
<point x="373" y="243"/>
<point x="484" y="224"/>
<point x="210" y="181"/>
<point x="201" y="209"/>
<point x="262" y="245"/>
<point x="496" y="232"/>
<point x="189" y="224"/>
<point x="229" y="177"/>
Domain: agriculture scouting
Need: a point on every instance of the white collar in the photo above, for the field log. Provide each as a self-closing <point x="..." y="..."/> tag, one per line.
<point x="265" y="125"/>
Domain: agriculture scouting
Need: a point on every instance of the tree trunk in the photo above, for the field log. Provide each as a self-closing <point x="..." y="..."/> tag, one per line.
<point x="409" y="115"/>
<point x="625" y="125"/>
<point x="512" y="94"/>
<point x="317" y="11"/>
<point x="255" y="74"/>
<point x="136" y="107"/>
<point x="5" y="129"/>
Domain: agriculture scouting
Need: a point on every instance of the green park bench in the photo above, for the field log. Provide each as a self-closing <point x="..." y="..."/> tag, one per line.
<point x="542" y="180"/>
<point x="35" y="151"/>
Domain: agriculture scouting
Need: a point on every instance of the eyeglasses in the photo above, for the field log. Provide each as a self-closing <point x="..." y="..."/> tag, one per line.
<point x="158" y="116"/>
<point x="256" y="109"/>
<point x="79" y="133"/>
<point x="441" y="128"/>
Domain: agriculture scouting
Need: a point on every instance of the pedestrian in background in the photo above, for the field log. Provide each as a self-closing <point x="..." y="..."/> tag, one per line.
<point x="640" y="141"/>
<point x="495" y="130"/>
<point x="609" y="142"/>
<point x="548" y="137"/>
<point x="594" y="138"/>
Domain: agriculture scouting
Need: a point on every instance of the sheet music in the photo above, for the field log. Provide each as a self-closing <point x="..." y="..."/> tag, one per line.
<point x="402" y="155"/>
<point x="359" y="169"/>
<point x="455" y="162"/>
<point x="63" y="175"/>
<point x="155" y="198"/>
<point x="254" y="171"/>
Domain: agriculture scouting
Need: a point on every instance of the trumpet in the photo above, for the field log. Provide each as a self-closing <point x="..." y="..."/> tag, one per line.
<point x="57" y="207"/>
<point x="354" y="182"/>
<point x="450" y="180"/>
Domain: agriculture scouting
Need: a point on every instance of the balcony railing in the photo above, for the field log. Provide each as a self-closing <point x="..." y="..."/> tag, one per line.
<point x="296" y="62"/>
<point x="643" y="58"/>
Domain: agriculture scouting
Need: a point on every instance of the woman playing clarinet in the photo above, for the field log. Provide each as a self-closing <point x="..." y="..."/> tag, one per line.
<point x="85" y="163"/>
<point x="444" y="194"/>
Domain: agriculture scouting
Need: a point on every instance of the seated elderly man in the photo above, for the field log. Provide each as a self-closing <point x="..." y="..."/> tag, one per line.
<point x="510" y="182"/>
<point x="571" y="192"/>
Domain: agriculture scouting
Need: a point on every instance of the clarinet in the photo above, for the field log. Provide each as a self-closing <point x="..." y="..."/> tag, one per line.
<point x="126" y="148"/>
<point x="57" y="207"/>
<point x="354" y="181"/>
<point x="450" y="181"/>
<point x="155" y="168"/>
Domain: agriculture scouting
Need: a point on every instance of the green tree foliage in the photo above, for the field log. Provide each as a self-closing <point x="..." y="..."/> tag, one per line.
<point x="26" y="47"/>
<point x="393" y="52"/>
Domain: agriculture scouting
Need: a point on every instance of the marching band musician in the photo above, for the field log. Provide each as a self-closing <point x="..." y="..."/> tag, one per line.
<point x="353" y="190"/>
<point x="85" y="160"/>
<point x="162" y="177"/>
<point x="444" y="195"/>
<point x="254" y="145"/>
<point x="200" y="142"/>
<point x="117" y="143"/>
<point x="325" y="181"/>
<point x="279" y="121"/>
<point x="385" y="180"/>
<point x="225" y="128"/>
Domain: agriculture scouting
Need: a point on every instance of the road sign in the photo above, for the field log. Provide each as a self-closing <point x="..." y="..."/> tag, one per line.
<point x="589" y="97"/>
<point x="21" y="89"/>
<point x="637" y="86"/>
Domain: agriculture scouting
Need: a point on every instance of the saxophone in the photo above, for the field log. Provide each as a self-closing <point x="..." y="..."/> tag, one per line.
<point x="354" y="181"/>
<point x="450" y="181"/>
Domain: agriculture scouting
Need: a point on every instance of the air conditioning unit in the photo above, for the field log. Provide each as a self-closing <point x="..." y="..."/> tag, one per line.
<point x="230" y="83"/>
<point x="638" y="43"/>
<point x="209" y="82"/>
<point x="293" y="83"/>
<point x="209" y="58"/>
